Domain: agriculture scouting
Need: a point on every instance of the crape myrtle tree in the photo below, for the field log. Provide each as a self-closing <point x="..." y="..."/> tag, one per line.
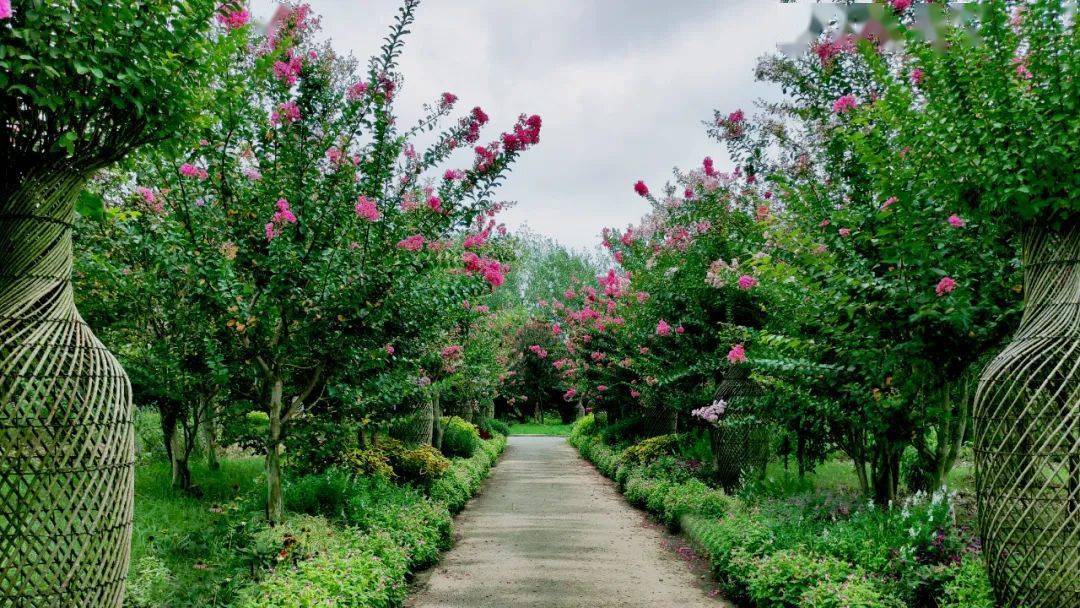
<point x="81" y="86"/>
<point x="310" y="212"/>
<point x="140" y="290"/>
<point x="991" y="109"/>
<point x="530" y="343"/>
<point x="905" y="283"/>
<point x="697" y="301"/>
<point x="654" y="337"/>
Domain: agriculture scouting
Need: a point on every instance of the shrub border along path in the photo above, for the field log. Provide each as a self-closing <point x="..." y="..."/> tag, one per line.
<point x="370" y="568"/>
<point x="750" y="564"/>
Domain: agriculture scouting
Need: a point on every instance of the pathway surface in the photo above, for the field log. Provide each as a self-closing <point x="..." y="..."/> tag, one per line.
<point x="549" y="531"/>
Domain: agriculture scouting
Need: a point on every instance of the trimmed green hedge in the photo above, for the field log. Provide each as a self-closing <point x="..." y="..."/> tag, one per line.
<point x="780" y="559"/>
<point x="460" y="437"/>
<point x="466" y="475"/>
<point x="389" y="531"/>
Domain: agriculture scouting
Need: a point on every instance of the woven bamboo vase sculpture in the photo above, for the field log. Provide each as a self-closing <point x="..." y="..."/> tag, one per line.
<point x="1027" y="434"/>
<point x="738" y="448"/>
<point x="66" y="434"/>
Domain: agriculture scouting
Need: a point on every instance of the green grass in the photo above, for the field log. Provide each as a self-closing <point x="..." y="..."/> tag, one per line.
<point x="182" y="545"/>
<point x="534" y="428"/>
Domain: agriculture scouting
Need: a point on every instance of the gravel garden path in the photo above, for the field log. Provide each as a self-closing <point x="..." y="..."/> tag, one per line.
<point x="549" y="531"/>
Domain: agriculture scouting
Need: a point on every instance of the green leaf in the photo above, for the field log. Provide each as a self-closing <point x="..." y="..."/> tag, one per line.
<point x="90" y="205"/>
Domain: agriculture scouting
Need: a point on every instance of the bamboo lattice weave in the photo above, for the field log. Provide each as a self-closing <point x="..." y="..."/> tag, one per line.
<point x="66" y="435"/>
<point x="1027" y="435"/>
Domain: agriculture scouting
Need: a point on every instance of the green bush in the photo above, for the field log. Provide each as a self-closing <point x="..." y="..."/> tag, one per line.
<point x="623" y="430"/>
<point x="325" y="494"/>
<point x="494" y="426"/>
<point x="418" y="465"/>
<point x="359" y="570"/>
<point x="149" y="437"/>
<point x="780" y="579"/>
<point x="466" y="475"/>
<point x="584" y="427"/>
<point x="730" y="542"/>
<point x="421" y="464"/>
<point x="853" y="592"/>
<point x="371" y="461"/>
<point x="419" y="526"/>
<point x="460" y="438"/>
<point x="694" y="498"/>
<point x="970" y="587"/>
<point x="650" y="449"/>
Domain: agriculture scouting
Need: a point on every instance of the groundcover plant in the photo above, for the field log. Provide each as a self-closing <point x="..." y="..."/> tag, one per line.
<point x="837" y="355"/>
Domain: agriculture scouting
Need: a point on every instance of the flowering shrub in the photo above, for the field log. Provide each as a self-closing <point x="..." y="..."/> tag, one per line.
<point x="323" y="256"/>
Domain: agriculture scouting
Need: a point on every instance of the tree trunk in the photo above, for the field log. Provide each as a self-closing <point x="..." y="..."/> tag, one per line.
<point x="69" y="442"/>
<point x="935" y="463"/>
<point x="436" y="423"/>
<point x="275" y="504"/>
<point x="1027" y="411"/>
<point x="178" y="456"/>
<point x="209" y="432"/>
<point x="579" y="410"/>
<point x="885" y="472"/>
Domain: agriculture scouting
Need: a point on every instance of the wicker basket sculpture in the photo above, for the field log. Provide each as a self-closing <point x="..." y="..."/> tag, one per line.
<point x="66" y="434"/>
<point x="738" y="447"/>
<point x="1027" y="435"/>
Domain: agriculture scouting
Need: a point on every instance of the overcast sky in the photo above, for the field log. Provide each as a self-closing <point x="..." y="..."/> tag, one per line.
<point x="622" y="85"/>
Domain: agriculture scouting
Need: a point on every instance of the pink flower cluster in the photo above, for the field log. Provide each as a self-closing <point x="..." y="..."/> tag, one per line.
<point x="485" y="158"/>
<point x="334" y="155"/>
<point x="641" y="188"/>
<point x="492" y="271"/>
<point x="569" y="394"/>
<point x="232" y="15"/>
<point x="663" y="329"/>
<point x="747" y="282"/>
<point x="477" y="240"/>
<point x="829" y="48"/>
<point x="711" y="413"/>
<point x="190" y="170"/>
<point x="707" y="166"/>
<point x="956" y="221"/>
<point x="356" y="91"/>
<point x="844" y="104"/>
<point x="734" y="125"/>
<point x="411" y="243"/>
<point x="447" y="100"/>
<point x="945" y="285"/>
<point x="453" y="175"/>
<point x="900" y="5"/>
<point x="737" y="354"/>
<point x="539" y="351"/>
<point x="5" y="9"/>
<point x="366" y="209"/>
<point x="288" y="71"/>
<point x="286" y="113"/>
<point x="472" y="123"/>
<point x="525" y="133"/>
<point x="282" y="216"/>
